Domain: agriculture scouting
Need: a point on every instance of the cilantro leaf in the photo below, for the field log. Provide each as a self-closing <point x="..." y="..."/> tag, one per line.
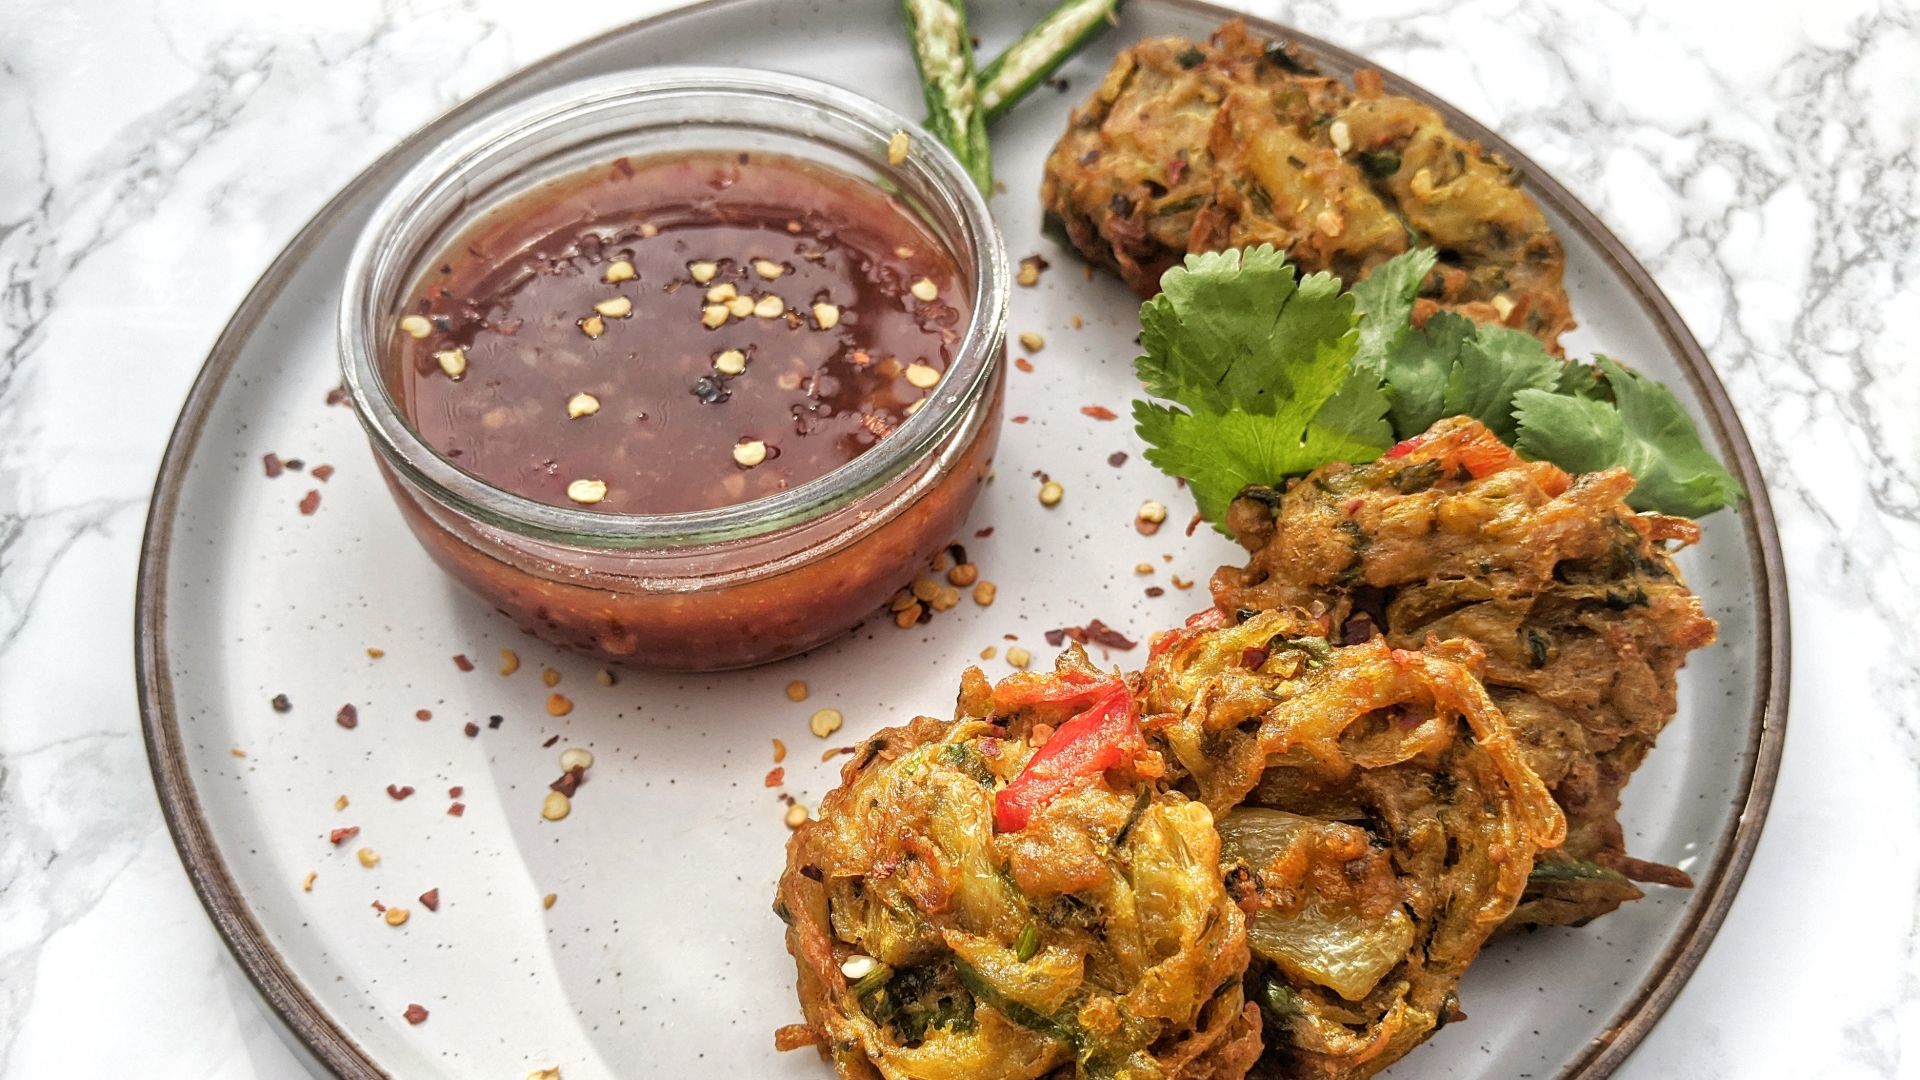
<point x="1385" y="300"/>
<point x="1497" y="364"/>
<point x="1645" y="430"/>
<point x="1234" y="329"/>
<point x="1418" y="369"/>
<point x="1265" y="375"/>
<point x="1259" y="363"/>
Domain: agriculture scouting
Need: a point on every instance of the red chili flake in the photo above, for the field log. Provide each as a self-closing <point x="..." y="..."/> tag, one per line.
<point x="309" y="503"/>
<point x="460" y="661"/>
<point x="1023" y="364"/>
<point x="1252" y="658"/>
<point x="281" y="704"/>
<point x="322" y="473"/>
<point x="776" y="776"/>
<point x="456" y="809"/>
<point x="1117" y="458"/>
<point x="272" y="463"/>
<point x="569" y="781"/>
<point x="624" y="167"/>
<point x="337" y="395"/>
<point x="294" y="463"/>
<point x="348" y="717"/>
<point x="471" y="729"/>
<point x="1099" y="412"/>
<point x="495" y="720"/>
<point x="415" y="1014"/>
<point x="1019" y="419"/>
<point x="379" y="908"/>
<point x="456" y="791"/>
<point x="397" y="792"/>
<point x="1097" y="632"/>
<point x="341" y="836"/>
<point x="982" y="534"/>
<point x="550" y="742"/>
<point x="430" y="899"/>
<point x="1353" y="506"/>
<point x="1177" y="167"/>
<point x="1194" y="524"/>
<point x="1155" y="590"/>
<point x="422" y="714"/>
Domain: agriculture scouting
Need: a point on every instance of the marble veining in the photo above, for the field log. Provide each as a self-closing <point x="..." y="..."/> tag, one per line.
<point x="1760" y="158"/>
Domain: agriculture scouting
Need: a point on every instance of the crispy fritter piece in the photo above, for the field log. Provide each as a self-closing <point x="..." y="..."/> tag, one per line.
<point x="1096" y="939"/>
<point x="1574" y="598"/>
<point x="1388" y="828"/>
<point x="1198" y="146"/>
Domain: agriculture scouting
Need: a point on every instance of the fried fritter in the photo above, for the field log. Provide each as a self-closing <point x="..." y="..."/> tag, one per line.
<point x="1198" y="146"/>
<point x="1574" y="598"/>
<point x="1094" y="939"/>
<point x="1377" y="824"/>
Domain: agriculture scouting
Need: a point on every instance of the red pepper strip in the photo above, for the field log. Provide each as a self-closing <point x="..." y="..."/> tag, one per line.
<point x="1068" y="688"/>
<point x="1104" y="737"/>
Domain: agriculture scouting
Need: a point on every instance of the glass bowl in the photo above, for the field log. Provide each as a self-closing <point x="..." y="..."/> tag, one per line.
<point x="722" y="588"/>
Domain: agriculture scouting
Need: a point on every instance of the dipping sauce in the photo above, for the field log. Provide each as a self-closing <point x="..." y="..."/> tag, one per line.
<point x="677" y="333"/>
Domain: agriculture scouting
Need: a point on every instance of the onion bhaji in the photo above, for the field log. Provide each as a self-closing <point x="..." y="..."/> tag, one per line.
<point x="1199" y="146"/>
<point x="1377" y="822"/>
<point x="970" y="905"/>
<point x="1574" y="598"/>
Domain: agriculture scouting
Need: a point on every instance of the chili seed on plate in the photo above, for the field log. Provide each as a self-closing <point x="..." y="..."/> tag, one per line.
<point x="1032" y="342"/>
<point x="768" y="269"/>
<point x="825" y="722"/>
<point x="396" y="916"/>
<point x="984" y="593"/>
<point x="826" y="315"/>
<point x="1019" y="657"/>
<point x="582" y="404"/>
<point x="587" y="492"/>
<point x="368" y="857"/>
<point x="923" y="376"/>
<point x="593" y="326"/>
<point x="722" y="293"/>
<point x="713" y="315"/>
<point x="924" y="289"/>
<point x="615" y="307"/>
<point x="796" y="816"/>
<point x="730" y="362"/>
<point x="618" y="271"/>
<point x="740" y="307"/>
<point x="453" y="362"/>
<point x="770" y="307"/>
<point x="556" y="806"/>
<point x="797" y="690"/>
<point x="416" y="326"/>
<point x="575" y="757"/>
<point x="703" y="272"/>
<point x="897" y="148"/>
<point x="1051" y="492"/>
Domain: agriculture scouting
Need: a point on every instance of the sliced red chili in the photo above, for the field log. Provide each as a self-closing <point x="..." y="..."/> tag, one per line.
<point x="1105" y="736"/>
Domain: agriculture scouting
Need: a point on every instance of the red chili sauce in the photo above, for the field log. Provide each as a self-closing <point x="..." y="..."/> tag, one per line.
<point x="677" y="333"/>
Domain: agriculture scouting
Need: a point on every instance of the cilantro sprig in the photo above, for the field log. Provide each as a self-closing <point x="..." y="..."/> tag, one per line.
<point x="1264" y="375"/>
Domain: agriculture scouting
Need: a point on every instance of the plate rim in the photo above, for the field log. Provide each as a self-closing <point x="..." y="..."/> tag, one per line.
<point x="329" y="1044"/>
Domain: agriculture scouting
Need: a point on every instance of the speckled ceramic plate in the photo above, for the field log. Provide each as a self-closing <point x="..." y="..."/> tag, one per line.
<point x="660" y="954"/>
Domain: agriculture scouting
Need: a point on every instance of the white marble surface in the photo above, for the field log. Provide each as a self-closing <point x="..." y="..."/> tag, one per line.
<point x="1763" y="159"/>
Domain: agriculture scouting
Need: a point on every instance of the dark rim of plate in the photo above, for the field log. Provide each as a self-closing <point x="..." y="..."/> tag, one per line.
<point x="334" y="1048"/>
